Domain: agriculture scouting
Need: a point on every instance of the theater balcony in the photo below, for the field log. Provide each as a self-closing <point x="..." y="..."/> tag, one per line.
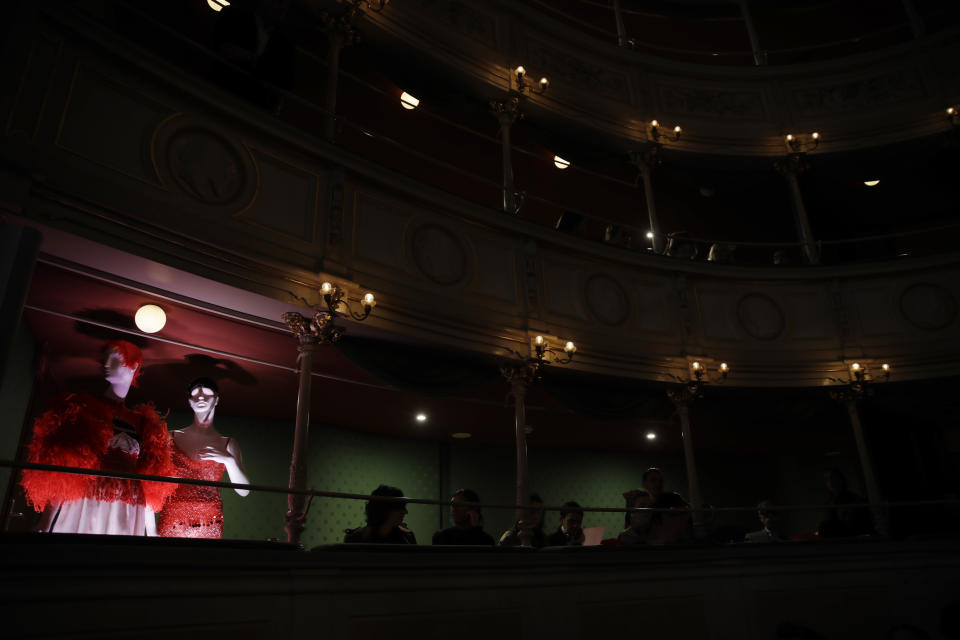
<point x="715" y="238"/>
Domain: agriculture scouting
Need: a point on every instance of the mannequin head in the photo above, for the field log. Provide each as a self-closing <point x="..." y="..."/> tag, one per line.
<point x="203" y="395"/>
<point x="122" y="362"/>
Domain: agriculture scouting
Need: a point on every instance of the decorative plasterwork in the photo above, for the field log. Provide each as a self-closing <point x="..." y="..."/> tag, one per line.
<point x="928" y="306"/>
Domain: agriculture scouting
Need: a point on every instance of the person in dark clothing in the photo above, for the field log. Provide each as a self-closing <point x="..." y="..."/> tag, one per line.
<point x="570" y="533"/>
<point x="384" y="520"/>
<point x="532" y="522"/>
<point x="843" y="521"/>
<point x="467" y="522"/>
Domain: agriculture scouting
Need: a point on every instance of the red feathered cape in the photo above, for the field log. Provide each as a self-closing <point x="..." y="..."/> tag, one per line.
<point x="75" y="432"/>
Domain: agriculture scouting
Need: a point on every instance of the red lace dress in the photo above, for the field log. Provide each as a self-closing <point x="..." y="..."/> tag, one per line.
<point x="194" y="511"/>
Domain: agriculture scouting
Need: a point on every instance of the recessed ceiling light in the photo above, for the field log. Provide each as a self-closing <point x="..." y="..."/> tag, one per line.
<point x="421" y="417"/>
<point x="407" y="101"/>
<point x="871" y="183"/>
<point x="150" y="318"/>
<point x="560" y="163"/>
<point x="460" y="435"/>
<point x="651" y="436"/>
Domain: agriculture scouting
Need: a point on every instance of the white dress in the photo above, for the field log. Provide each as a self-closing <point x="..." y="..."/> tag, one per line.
<point x="110" y="517"/>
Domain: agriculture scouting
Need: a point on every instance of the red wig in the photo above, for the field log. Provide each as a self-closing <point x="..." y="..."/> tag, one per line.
<point x="132" y="357"/>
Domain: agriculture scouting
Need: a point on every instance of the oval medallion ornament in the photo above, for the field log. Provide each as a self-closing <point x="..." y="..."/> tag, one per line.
<point x="607" y="300"/>
<point x="760" y="316"/>
<point x="928" y="306"/>
<point x="205" y="166"/>
<point x="439" y="254"/>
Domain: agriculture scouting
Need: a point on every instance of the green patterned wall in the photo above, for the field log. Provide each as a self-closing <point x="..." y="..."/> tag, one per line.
<point x="353" y="462"/>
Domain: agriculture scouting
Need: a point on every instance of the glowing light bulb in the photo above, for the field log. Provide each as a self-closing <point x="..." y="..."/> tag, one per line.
<point x="560" y="163"/>
<point x="538" y="340"/>
<point x="326" y="288"/>
<point x="369" y="300"/>
<point x="544" y="83"/>
<point x="951" y="111"/>
<point x="855" y="367"/>
<point x="651" y="436"/>
<point x="815" y="135"/>
<point x="789" y="137"/>
<point x="569" y="347"/>
<point x="650" y="235"/>
<point x="695" y="366"/>
<point x="871" y="183"/>
<point x="421" y="417"/>
<point x="150" y="318"/>
<point x="520" y="72"/>
<point x="407" y="101"/>
<point x="677" y="129"/>
<point x="654" y="124"/>
<point x="724" y="367"/>
<point x="885" y="366"/>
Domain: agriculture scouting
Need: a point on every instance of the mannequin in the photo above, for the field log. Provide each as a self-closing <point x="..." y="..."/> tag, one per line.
<point x="200" y="452"/>
<point x="99" y="432"/>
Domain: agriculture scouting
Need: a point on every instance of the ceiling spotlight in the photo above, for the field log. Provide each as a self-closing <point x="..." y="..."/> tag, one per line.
<point x="871" y="183"/>
<point x="150" y="318"/>
<point x="421" y="417"/>
<point x="460" y="435"/>
<point x="217" y="5"/>
<point x="560" y="163"/>
<point x="651" y="436"/>
<point x="407" y="101"/>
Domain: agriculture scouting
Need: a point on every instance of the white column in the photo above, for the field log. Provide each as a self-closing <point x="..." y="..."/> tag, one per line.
<point x="873" y="489"/>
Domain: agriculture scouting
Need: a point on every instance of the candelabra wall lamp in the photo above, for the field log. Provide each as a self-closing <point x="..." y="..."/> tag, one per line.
<point x="953" y="115"/>
<point x="657" y="132"/>
<point x="859" y="385"/>
<point x="520" y="373"/>
<point x="802" y="143"/>
<point x="683" y="396"/>
<point x="523" y="85"/>
<point x="311" y="332"/>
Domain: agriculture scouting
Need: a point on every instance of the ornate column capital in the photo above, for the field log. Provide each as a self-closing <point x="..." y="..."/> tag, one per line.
<point x="683" y="396"/>
<point x="792" y="165"/>
<point x="319" y="329"/>
<point x="647" y="158"/>
<point x="507" y="109"/>
<point x="520" y="375"/>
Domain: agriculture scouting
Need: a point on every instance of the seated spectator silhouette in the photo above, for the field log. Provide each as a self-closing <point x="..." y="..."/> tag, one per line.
<point x="843" y="521"/>
<point x="384" y="520"/>
<point x="769" y="526"/>
<point x="673" y="526"/>
<point x="533" y="524"/>
<point x="570" y="532"/>
<point x="637" y="523"/>
<point x="653" y="482"/>
<point x="467" y="522"/>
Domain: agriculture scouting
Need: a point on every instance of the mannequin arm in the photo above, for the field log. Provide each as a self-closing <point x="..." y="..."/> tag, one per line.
<point x="235" y="470"/>
<point x="151" y="521"/>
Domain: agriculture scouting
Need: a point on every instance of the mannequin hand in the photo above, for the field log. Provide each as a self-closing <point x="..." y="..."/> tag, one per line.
<point x="212" y="453"/>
